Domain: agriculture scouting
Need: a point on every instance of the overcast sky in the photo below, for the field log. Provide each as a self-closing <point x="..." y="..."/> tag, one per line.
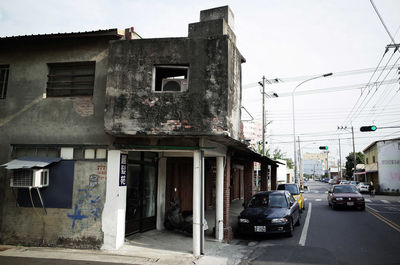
<point x="290" y="40"/>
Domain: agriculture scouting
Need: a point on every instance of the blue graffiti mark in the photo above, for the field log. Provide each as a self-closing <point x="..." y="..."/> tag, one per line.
<point x="76" y="216"/>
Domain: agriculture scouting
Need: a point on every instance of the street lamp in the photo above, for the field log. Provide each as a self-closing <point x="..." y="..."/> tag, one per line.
<point x="294" y="124"/>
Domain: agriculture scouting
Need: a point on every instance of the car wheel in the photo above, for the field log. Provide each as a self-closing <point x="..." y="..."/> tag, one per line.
<point x="298" y="221"/>
<point x="290" y="233"/>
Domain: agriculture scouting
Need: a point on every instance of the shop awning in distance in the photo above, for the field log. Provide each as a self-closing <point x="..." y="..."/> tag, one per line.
<point x="31" y="162"/>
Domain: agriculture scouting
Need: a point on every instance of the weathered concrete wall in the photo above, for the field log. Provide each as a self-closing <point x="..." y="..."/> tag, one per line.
<point x="132" y="108"/>
<point x="77" y="227"/>
<point x="26" y="117"/>
<point x="51" y="120"/>
<point x="211" y="106"/>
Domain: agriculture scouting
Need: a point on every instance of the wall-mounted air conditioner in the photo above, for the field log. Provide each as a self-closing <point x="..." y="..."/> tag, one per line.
<point x="174" y="85"/>
<point x="25" y="178"/>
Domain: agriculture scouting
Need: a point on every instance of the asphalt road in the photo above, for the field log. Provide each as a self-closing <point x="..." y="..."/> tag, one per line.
<point x="334" y="236"/>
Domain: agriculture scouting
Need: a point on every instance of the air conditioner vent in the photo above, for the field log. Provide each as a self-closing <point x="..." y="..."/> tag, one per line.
<point x="25" y="178"/>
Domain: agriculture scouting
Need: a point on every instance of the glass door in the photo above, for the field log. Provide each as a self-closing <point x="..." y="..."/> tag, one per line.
<point x="141" y="192"/>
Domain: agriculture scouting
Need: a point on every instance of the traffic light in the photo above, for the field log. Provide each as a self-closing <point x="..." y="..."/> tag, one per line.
<point x="323" y="147"/>
<point x="368" y="128"/>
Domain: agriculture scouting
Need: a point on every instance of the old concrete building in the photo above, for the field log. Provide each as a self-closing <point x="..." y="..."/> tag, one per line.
<point x="113" y="127"/>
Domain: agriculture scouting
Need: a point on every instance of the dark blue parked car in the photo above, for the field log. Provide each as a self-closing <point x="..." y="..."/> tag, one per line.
<point x="270" y="212"/>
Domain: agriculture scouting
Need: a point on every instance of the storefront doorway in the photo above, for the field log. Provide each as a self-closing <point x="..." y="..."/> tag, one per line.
<point x="141" y="198"/>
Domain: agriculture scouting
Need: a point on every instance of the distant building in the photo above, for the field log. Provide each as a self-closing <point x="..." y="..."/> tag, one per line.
<point x="382" y="164"/>
<point x="281" y="175"/>
<point x="253" y="134"/>
<point x="322" y="158"/>
<point x="313" y="168"/>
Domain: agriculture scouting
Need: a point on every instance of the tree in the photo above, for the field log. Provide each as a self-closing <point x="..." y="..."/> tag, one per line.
<point x="279" y="154"/>
<point x="350" y="162"/>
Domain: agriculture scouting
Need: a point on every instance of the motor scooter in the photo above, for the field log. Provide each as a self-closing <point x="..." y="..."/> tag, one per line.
<point x="180" y="221"/>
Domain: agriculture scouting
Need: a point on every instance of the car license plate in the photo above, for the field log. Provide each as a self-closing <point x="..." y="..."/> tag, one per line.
<point x="261" y="228"/>
<point x="350" y="204"/>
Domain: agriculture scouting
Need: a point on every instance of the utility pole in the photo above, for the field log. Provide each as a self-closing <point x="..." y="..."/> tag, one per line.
<point x="263" y="115"/>
<point x="354" y="153"/>
<point x="327" y="165"/>
<point x="300" y="165"/>
<point x="340" y="161"/>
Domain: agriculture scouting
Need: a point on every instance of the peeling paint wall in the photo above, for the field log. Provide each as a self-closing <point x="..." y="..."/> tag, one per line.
<point x="210" y="106"/>
<point x="29" y="117"/>
<point x="78" y="227"/>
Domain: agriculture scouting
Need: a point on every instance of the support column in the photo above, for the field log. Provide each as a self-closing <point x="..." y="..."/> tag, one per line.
<point x="273" y="177"/>
<point x="198" y="203"/>
<point x="113" y="216"/>
<point x="264" y="176"/>
<point x="248" y="180"/>
<point x="219" y="205"/>
<point x="161" y="187"/>
<point x="227" y="200"/>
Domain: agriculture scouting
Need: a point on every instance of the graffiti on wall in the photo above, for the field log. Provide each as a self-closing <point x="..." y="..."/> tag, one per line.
<point x="87" y="208"/>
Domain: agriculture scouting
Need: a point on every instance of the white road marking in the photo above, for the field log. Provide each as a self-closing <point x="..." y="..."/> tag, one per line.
<point x="368" y="200"/>
<point x="303" y="236"/>
<point x="305" y="199"/>
<point x="385" y="201"/>
<point x="318" y="200"/>
<point x="326" y="191"/>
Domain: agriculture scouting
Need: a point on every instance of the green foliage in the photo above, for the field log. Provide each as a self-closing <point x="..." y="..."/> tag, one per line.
<point x="360" y="159"/>
<point x="278" y="154"/>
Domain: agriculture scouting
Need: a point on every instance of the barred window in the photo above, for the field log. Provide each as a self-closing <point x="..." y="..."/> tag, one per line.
<point x="70" y="79"/>
<point x="3" y="80"/>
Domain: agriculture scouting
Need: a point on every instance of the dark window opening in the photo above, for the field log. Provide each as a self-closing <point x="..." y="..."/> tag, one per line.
<point x="3" y="80"/>
<point x="171" y="78"/>
<point x="71" y="79"/>
<point x="373" y="159"/>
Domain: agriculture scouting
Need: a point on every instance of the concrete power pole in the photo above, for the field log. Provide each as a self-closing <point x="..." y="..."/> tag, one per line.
<point x="340" y="161"/>
<point x="300" y="166"/>
<point x="354" y="153"/>
<point x="263" y="115"/>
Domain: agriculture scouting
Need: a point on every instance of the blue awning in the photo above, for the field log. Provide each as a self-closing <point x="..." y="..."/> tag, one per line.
<point x="30" y="162"/>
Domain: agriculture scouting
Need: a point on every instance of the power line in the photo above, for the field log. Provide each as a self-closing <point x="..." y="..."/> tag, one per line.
<point x="300" y="78"/>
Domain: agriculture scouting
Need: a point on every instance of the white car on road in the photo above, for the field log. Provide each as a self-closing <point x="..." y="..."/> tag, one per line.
<point x="363" y="187"/>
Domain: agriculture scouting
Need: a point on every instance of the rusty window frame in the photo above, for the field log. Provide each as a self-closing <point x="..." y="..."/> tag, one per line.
<point x="4" y="70"/>
<point x="71" y="79"/>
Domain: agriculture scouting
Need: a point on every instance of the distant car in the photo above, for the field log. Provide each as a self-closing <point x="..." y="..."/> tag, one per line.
<point x="353" y="183"/>
<point x="344" y="182"/>
<point x="269" y="212"/>
<point x="363" y="187"/>
<point x="295" y="192"/>
<point x="332" y="181"/>
<point x="345" y="196"/>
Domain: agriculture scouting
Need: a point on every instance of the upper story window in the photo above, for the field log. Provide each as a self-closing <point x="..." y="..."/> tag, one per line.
<point x="70" y="79"/>
<point x="373" y="159"/>
<point x="170" y="78"/>
<point x="3" y="80"/>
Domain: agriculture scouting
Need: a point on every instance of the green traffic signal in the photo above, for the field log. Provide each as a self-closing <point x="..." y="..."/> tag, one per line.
<point x="371" y="128"/>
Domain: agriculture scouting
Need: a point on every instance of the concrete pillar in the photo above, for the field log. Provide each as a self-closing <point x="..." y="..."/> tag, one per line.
<point x="273" y="177"/>
<point x="264" y="176"/>
<point x="162" y="184"/>
<point x="219" y="205"/>
<point x="113" y="216"/>
<point x="248" y="180"/>
<point x="227" y="200"/>
<point x="198" y="203"/>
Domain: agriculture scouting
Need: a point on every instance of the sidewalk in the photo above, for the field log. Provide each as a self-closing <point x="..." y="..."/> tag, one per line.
<point x="152" y="247"/>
